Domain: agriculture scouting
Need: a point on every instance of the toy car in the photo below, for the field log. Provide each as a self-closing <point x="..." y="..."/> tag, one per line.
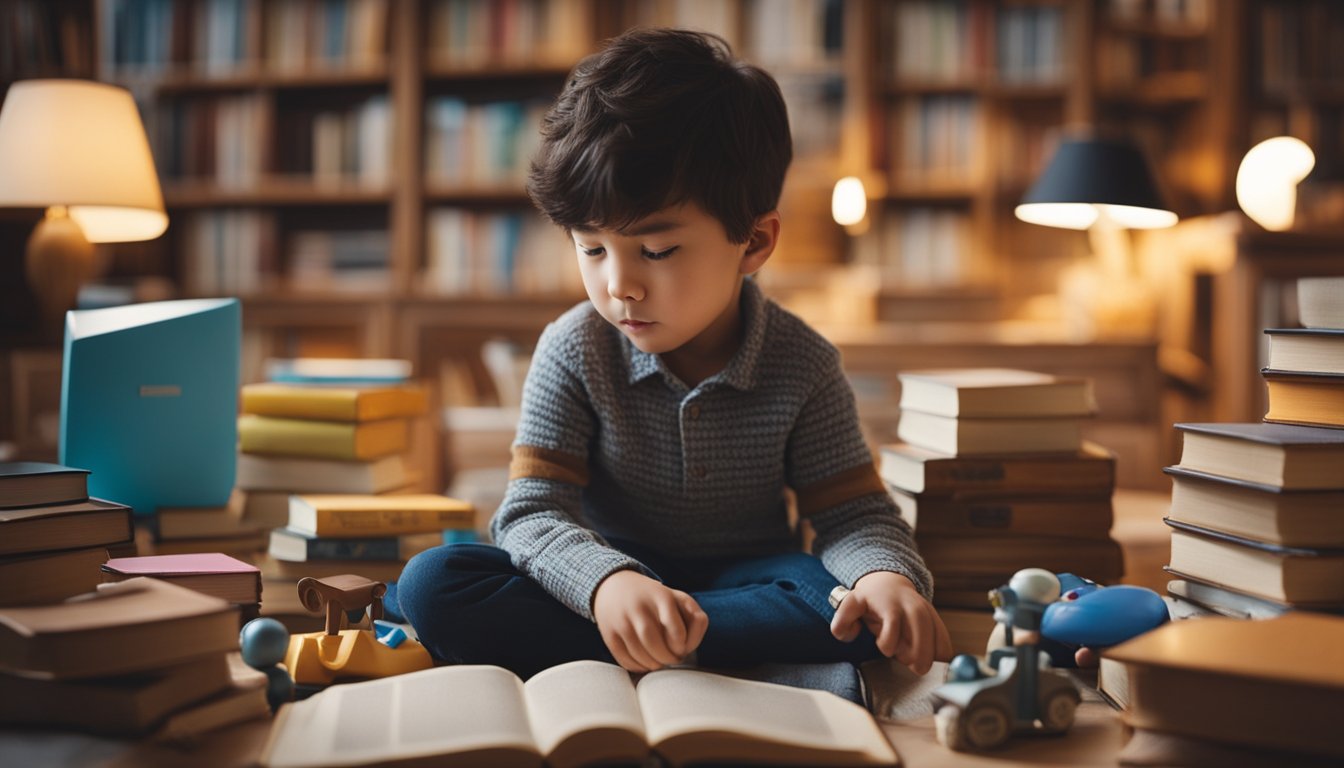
<point x="1018" y="691"/>
<point x="980" y="709"/>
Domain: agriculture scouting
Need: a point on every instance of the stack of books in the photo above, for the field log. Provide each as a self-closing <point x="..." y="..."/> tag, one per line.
<point x="189" y="530"/>
<point x="1305" y="375"/>
<point x="993" y="476"/>
<point x="53" y="537"/>
<point x="327" y="435"/>
<point x="1256" y="528"/>
<point x="137" y="657"/>
<point x="211" y="573"/>
<point x="367" y="535"/>
<point x="1218" y="692"/>
<point x="323" y="433"/>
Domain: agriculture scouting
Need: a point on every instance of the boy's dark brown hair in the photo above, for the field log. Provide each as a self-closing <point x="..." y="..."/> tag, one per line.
<point x="657" y="118"/>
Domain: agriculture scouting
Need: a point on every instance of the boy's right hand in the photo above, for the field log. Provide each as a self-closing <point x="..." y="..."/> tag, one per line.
<point x="646" y="625"/>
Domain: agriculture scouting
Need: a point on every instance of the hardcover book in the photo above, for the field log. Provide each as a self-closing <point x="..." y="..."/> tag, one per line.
<point x="999" y="557"/>
<point x="581" y="713"/>
<point x="131" y="626"/>
<point x="1300" y="398"/>
<point x="36" y="483"/>
<point x="210" y="573"/>
<point x="980" y="436"/>
<point x="129" y="705"/>
<point x="919" y="470"/>
<point x="343" y="372"/>
<point x="1282" y="455"/>
<point x="298" y="475"/>
<point x="1296" y="575"/>
<point x="1306" y="350"/>
<point x="34" y="579"/>
<point x="1257" y="510"/>
<point x="64" y="526"/>
<point x="290" y="571"/>
<point x="357" y="516"/>
<point x="298" y="547"/>
<point x="995" y="393"/>
<point x="202" y="522"/>
<point x="1320" y="302"/>
<point x="1066" y="516"/>
<point x="334" y="403"/>
<point x="322" y="439"/>
<point x="1226" y="602"/>
<point x="1277" y="683"/>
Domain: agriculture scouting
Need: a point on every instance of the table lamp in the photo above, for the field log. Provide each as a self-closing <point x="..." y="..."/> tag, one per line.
<point x="1104" y="186"/>
<point x="78" y="149"/>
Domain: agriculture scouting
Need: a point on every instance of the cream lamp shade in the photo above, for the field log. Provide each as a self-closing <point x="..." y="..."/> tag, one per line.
<point x="77" y="149"/>
<point x="80" y="144"/>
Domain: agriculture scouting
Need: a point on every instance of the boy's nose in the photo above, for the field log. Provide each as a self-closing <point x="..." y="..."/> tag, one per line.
<point x="622" y="285"/>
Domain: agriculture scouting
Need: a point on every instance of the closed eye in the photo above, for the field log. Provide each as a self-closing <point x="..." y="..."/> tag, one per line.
<point x="658" y="255"/>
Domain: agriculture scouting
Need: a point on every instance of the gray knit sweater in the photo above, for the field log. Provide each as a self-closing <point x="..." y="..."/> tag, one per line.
<point x="611" y="443"/>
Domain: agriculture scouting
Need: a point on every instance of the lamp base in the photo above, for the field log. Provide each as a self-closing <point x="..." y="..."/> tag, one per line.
<point x="59" y="260"/>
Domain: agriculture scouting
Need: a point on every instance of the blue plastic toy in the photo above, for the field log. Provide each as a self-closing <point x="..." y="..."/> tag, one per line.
<point x="1092" y="616"/>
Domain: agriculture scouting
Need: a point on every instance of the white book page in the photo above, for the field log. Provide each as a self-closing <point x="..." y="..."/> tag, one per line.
<point x="436" y="711"/>
<point x="677" y="702"/>
<point x="585" y="711"/>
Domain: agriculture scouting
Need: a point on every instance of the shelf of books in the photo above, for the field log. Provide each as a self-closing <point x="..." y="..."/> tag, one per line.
<point x="964" y="100"/>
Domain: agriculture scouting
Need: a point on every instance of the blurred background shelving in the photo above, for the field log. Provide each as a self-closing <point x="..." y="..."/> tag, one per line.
<point x="353" y="170"/>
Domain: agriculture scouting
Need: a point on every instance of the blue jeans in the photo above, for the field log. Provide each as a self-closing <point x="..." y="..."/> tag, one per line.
<point x="470" y="605"/>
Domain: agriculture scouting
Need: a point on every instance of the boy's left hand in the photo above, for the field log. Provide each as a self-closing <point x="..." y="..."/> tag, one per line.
<point x="905" y="624"/>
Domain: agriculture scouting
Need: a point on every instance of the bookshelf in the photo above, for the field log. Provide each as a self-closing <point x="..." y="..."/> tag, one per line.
<point x="962" y="101"/>
<point x="329" y="162"/>
<point x="966" y="99"/>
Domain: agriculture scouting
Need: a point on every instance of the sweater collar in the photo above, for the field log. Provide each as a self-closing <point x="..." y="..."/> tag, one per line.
<point x="741" y="370"/>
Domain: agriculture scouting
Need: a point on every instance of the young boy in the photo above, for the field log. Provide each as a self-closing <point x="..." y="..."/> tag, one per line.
<point x="645" y="520"/>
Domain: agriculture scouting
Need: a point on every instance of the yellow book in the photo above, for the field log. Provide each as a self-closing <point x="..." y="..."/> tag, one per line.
<point x="353" y="515"/>
<point x="334" y="403"/>
<point x="322" y="439"/>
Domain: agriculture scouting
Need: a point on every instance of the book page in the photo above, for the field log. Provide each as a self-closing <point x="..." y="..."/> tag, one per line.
<point x="692" y="715"/>
<point x="469" y="712"/>
<point x="585" y="712"/>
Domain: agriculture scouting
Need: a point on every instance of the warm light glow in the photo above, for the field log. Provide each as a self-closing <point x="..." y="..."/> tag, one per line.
<point x="1063" y="215"/>
<point x="106" y="224"/>
<point x="1084" y="215"/>
<point x="80" y="144"/>
<point x="1134" y="217"/>
<point x="1268" y="177"/>
<point x="849" y="201"/>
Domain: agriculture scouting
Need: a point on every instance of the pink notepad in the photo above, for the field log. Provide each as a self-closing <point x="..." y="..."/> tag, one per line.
<point x="179" y="565"/>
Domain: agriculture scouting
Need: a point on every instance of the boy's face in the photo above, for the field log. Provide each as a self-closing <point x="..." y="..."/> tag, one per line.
<point x="667" y="278"/>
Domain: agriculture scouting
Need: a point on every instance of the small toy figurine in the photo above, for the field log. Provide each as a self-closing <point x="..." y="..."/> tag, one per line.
<point x="1088" y="618"/>
<point x="981" y="706"/>
<point x="263" y="642"/>
<point x="320" y="658"/>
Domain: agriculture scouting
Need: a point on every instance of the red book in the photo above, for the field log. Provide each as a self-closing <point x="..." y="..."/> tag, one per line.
<point x="210" y="573"/>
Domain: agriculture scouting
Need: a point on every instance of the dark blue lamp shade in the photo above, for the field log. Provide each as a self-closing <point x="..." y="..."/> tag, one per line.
<point x="1090" y="178"/>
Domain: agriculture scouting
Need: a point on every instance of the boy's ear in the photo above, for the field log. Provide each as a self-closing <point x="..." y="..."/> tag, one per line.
<point x="764" y="237"/>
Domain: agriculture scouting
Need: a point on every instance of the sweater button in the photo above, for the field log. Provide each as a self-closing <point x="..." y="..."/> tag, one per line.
<point x="693" y="412"/>
<point x="699" y="471"/>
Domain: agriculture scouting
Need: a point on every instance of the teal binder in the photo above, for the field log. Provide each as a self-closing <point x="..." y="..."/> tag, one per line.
<point x="149" y="401"/>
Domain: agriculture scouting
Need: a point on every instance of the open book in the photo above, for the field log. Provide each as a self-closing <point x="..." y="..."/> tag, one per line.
<point x="574" y="714"/>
